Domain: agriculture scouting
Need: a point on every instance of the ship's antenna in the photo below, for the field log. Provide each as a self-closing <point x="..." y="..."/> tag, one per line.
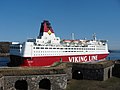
<point x="94" y="36"/>
<point x="73" y="36"/>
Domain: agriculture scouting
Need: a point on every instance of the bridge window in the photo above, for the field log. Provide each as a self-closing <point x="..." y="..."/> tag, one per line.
<point x="45" y="84"/>
<point x="21" y="85"/>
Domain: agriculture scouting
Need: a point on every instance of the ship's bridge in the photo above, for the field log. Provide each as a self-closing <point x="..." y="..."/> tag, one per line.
<point x="49" y="40"/>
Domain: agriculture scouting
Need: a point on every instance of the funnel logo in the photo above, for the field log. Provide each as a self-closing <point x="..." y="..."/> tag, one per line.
<point x="49" y="32"/>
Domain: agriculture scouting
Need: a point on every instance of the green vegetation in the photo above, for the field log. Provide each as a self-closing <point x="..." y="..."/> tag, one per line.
<point x="110" y="84"/>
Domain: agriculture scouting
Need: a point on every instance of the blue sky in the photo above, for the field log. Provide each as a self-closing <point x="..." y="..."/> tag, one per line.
<point x="21" y="19"/>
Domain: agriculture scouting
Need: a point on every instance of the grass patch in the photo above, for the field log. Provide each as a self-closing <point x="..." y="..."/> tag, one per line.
<point x="110" y="84"/>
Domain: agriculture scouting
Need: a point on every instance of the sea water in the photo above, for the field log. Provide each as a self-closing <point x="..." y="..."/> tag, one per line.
<point x="4" y="61"/>
<point x="114" y="56"/>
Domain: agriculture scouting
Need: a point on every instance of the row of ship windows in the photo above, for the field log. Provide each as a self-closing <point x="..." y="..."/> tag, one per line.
<point x="53" y="53"/>
<point x="15" y="47"/>
<point x="45" y="54"/>
<point x="62" y="48"/>
<point x="38" y="54"/>
<point x="65" y="48"/>
<point x="56" y="51"/>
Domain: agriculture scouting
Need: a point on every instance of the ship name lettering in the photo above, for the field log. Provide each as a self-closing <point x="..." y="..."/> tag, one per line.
<point x="83" y="58"/>
<point x="92" y="58"/>
<point x="78" y="59"/>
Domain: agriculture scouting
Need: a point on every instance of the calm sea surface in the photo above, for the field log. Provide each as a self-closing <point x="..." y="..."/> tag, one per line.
<point x="112" y="56"/>
<point x="4" y="61"/>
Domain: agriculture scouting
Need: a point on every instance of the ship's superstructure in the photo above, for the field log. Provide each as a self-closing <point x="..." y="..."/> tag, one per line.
<point x="47" y="49"/>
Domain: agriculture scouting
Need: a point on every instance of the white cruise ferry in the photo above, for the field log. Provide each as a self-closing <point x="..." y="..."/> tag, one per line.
<point x="47" y="49"/>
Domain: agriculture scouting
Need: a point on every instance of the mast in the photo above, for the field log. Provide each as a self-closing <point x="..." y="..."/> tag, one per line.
<point x="73" y="36"/>
<point x="94" y="36"/>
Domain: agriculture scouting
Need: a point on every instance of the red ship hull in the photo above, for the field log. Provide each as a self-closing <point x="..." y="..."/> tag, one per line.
<point x="50" y="60"/>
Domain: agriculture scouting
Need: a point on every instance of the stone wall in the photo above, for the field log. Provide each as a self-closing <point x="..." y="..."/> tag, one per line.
<point x="116" y="69"/>
<point x="32" y="77"/>
<point x="108" y="72"/>
<point x="56" y="76"/>
<point x="58" y="82"/>
<point x="1" y="83"/>
<point x="96" y="71"/>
